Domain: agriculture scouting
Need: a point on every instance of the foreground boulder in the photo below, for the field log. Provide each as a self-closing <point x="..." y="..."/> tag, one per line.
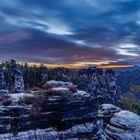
<point x="123" y="125"/>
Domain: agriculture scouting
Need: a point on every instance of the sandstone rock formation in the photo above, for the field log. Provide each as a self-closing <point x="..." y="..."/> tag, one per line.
<point x="18" y="80"/>
<point x="99" y="83"/>
<point x="123" y="125"/>
<point x="70" y="117"/>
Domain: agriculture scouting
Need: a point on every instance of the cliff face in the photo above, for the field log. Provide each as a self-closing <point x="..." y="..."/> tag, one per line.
<point x="100" y="84"/>
<point x="62" y="118"/>
<point x="77" y="120"/>
<point x="69" y="118"/>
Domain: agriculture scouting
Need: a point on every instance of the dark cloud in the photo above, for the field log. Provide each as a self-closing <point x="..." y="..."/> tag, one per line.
<point x="67" y="32"/>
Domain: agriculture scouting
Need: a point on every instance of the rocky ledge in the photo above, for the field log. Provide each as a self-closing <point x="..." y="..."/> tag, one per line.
<point x="62" y="118"/>
<point x="73" y="125"/>
<point x="123" y="125"/>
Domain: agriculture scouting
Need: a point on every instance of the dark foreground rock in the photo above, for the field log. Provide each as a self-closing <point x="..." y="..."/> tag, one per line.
<point x="68" y="118"/>
<point x="123" y="125"/>
<point x="51" y="134"/>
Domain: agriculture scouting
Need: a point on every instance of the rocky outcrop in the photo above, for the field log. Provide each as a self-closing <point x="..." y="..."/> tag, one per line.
<point x="100" y="84"/>
<point x="123" y="125"/>
<point x="106" y="112"/>
<point x="70" y="117"/>
<point x="61" y="112"/>
<point x="7" y="115"/>
<point x="44" y="134"/>
<point x="75" y="133"/>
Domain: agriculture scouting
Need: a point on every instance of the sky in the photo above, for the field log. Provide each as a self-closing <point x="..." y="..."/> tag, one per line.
<point x="75" y="32"/>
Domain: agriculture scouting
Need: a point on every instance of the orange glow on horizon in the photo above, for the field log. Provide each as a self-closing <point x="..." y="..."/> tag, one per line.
<point x="76" y="66"/>
<point x="113" y="66"/>
<point x="71" y="66"/>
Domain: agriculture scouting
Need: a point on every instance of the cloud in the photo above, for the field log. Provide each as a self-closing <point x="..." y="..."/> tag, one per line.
<point x="128" y="50"/>
<point x="14" y="36"/>
<point x="81" y="31"/>
<point x="52" y="25"/>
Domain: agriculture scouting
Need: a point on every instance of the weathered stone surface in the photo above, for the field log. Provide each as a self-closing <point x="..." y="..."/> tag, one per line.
<point x="71" y="118"/>
<point x="124" y="125"/>
<point x="107" y="111"/>
<point x="83" y="131"/>
<point x="100" y="84"/>
<point x="45" y="134"/>
<point x="19" y="81"/>
<point x="119" y="124"/>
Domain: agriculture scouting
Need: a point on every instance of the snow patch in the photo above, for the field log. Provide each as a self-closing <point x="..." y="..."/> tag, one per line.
<point x="81" y="93"/>
<point x="17" y="96"/>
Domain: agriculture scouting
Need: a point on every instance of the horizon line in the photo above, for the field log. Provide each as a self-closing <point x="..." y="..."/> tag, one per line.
<point x="75" y="66"/>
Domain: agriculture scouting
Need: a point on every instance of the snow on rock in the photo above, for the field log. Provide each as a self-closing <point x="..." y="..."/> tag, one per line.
<point x="51" y="134"/>
<point x="77" y="130"/>
<point x="17" y="96"/>
<point x="53" y="84"/>
<point x="45" y="134"/>
<point x="81" y="93"/>
<point x="59" y="87"/>
<point x="83" y="128"/>
<point x="59" y="91"/>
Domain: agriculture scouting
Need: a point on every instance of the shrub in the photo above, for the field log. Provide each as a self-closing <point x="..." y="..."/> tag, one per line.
<point x="26" y="100"/>
<point x="28" y="91"/>
<point x="54" y="93"/>
<point x="35" y="88"/>
<point x="73" y="88"/>
<point x="6" y="102"/>
<point x="134" y="88"/>
<point x="129" y="102"/>
<point x="16" y="91"/>
<point x="47" y="86"/>
<point x="4" y="97"/>
<point x="38" y="105"/>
